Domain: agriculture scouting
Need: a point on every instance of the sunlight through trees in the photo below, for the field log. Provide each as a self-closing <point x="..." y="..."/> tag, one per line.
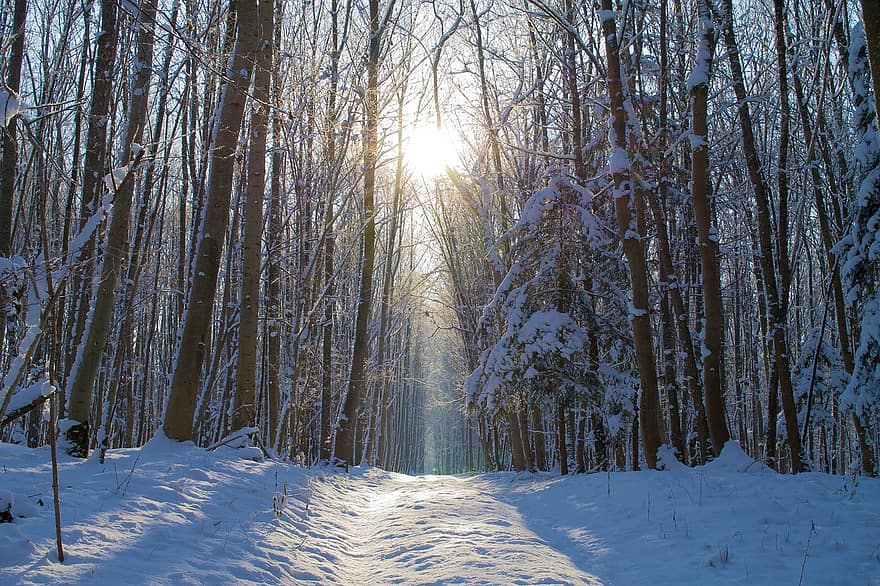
<point x="448" y="235"/>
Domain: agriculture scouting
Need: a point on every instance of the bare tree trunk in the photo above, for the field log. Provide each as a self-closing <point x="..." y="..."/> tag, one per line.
<point x="96" y="153"/>
<point x="707" y="241"/>
<point x="9" y="163"/>
<point x="789" y="408"/>
<point x="669" y="379"/>
<point x="775" y="310"/>
<point x="561" y="450"/>
<point x="190" y="357"/>
<point x="528" y="458"/>
<point x="540" y="444"/>
<point x="326" y="433"/>
<point x="633" y="247"/>
<point x="274" y="299"/>
<point x="600" y="440"/>
<point x="244" y="412"/>
<point x="344" y="449"/>
<point x="685" y="336"/>
<point x="580" y="451"/>
<point x="82" y="380"/>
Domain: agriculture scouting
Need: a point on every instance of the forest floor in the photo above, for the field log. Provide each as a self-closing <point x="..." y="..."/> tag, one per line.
<point x="172" y="514"/>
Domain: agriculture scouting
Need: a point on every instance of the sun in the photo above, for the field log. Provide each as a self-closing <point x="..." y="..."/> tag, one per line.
<point x="430" y="150"/>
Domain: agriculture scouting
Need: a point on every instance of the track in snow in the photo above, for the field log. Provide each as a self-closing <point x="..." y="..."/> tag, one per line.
<point x="395" y="529"/>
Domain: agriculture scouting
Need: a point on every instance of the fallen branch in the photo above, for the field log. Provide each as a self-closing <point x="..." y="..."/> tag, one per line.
<point x="26" y="400"/>
<point x="236" y="437"/>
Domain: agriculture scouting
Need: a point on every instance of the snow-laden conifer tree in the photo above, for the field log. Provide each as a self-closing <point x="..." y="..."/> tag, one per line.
<point x="554" y="332"/>
<point x="862" y="267"/>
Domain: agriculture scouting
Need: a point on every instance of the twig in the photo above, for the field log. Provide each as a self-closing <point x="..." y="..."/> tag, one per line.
<point x="806" y="548"/>
<point x="52" y="439"/>
<point x="127" y="482"/>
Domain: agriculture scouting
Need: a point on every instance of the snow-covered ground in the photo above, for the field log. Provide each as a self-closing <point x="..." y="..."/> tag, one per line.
<point x="179" y="515"/>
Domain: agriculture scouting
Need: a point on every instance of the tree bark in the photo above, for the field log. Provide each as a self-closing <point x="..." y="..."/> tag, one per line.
<point x="274" y="299"/>
<point x="707" y="235"/>
<point x="245" y="408"/>
<point x="357" y="382"/>
<point x="633" y="246"/>
<point x="9" y="165"/>
<point x="82" y="379"/>
<point x="561" y="449"/>
<point x="540" y="444"/>
<point x="178" y="424"/>
<point x="776" y="316"/>
<point x="96" y="153"/>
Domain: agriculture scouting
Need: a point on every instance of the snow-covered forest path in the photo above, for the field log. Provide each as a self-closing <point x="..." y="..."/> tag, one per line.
<point x="390" y="528"/>
<point x="169" y="515"/>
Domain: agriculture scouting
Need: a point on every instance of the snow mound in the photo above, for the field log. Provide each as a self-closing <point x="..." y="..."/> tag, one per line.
<point x="666" y="460"/>
<point x="170" y="513"/>
<point x="734" y="459"/>
<point x="14" y="545"/>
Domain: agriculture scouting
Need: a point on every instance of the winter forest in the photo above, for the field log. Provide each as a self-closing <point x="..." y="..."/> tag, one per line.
<point x="444" y="236"/>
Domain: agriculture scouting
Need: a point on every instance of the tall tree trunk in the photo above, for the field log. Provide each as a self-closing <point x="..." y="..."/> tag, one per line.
<point x="357" y="382"/>
<point x="141" y="238"/>
<point x="789" y="408"/>
<point x="274" y="300"/>
<point x="91" y="349"/>
<point x="325" y="432"/>
<point x="707" y="235"/>
<point x="244" y="412"/>
<point x="191" y="351"/>
<point x="633" y="246"/>
<point x="776" y="316"/>
<point x="96" y="152"/>
<point x="9" y="163"/>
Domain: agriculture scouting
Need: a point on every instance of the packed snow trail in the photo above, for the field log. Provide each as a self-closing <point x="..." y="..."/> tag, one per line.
<point x="171" y="514"/>
<point x="396" y="529"/>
